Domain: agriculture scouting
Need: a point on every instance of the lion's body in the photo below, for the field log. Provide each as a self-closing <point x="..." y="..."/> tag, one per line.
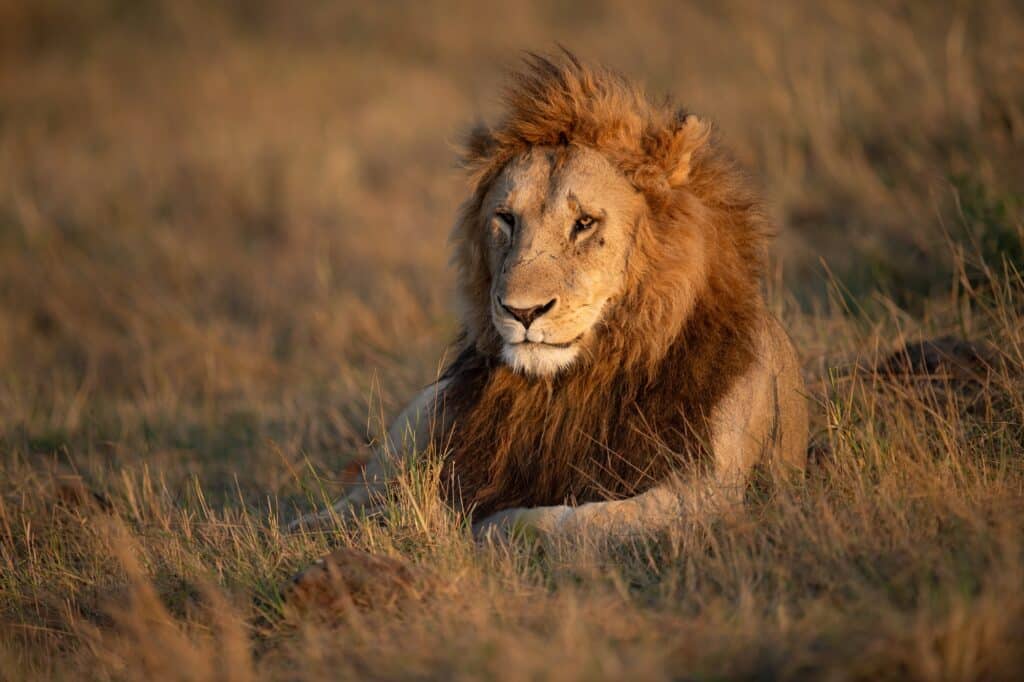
<point x="606" y="432"/>
<point x="618" y="366"/>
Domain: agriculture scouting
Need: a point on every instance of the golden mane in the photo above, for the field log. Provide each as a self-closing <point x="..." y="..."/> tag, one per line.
<point x="636" y="409"/>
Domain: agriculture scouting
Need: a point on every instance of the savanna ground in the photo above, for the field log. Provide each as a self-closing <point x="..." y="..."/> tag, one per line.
<point x="223" y="265"/>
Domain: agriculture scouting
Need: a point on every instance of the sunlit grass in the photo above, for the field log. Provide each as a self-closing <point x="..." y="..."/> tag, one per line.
<point x="223" y="270"/>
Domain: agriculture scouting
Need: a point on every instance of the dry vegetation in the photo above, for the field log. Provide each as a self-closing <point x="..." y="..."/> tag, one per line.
<point x="223" y="263"/>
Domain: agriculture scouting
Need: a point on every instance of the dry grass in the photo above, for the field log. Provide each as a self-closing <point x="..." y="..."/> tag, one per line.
<point x="222" y="248"/>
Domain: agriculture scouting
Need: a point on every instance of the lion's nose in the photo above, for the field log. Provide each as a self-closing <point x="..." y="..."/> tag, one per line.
<point x="526" y="316"/>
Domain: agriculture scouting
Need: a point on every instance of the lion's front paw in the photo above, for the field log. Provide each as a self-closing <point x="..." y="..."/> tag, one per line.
<point x="349" y="578"/>
<point x="522" y="522"/>
<point x="308" y="522"/>
<point x="499" y="526"/>
<point x="332" y="518"/>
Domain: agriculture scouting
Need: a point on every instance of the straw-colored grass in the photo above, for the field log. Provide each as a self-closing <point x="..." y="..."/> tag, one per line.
<point x="223" y="267"/>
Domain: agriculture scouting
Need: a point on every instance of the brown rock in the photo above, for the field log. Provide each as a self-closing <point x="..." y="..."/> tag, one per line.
<point x="351" y="578"/>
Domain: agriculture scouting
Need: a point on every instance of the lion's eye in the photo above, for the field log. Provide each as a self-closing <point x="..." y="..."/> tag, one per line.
<point x="507" y="218"/>
<point x="582" y="224"/>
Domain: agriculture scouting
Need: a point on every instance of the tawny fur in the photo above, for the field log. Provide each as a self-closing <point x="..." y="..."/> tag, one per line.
<point x="683" y="385"/>
<point x="637" y="407"/>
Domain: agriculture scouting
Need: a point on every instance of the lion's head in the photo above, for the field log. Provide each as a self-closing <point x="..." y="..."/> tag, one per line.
<point x="560" y="226"/>
<point x="609" y="261"/>
<point x="593" y="209"/>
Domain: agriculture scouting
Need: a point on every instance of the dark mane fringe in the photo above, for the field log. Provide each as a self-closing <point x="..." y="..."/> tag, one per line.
<point x="636" y="409"/>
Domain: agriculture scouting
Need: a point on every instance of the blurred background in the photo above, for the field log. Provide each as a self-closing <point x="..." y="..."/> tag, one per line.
<point x="223" y="224"/>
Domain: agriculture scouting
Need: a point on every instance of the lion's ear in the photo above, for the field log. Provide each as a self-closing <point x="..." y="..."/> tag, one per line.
<point x="479" y="145"/>
<point x="691" y="134"/>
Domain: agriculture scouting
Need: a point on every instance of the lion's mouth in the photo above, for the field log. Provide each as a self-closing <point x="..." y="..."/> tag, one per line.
<point x="542" y="358"/>
<point x="547" y="344"/>
<point x="542" y="344"/>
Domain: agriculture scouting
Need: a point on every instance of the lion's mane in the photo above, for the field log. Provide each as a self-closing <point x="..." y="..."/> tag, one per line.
<point x="636" y="408"/>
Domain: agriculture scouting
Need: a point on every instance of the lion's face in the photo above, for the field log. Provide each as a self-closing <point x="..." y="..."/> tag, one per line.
<point x="561" y="221"/>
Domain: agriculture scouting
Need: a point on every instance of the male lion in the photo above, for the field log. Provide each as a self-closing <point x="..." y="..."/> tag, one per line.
<point x="617" y="367"/>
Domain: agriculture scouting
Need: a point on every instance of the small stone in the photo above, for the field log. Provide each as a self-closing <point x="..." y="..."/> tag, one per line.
<point x="350" y="578"/>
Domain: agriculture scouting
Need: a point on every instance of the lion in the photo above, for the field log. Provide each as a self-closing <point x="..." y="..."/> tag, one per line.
<point x="617" y="368"/>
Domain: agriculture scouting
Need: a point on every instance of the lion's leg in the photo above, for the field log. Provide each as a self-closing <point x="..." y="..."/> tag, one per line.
<point x="364" y="499"/>
<point x="408" y="433"/>
<point x="649" y="512"/>
<point x="698" y="497"/>
<point x="763" y="417"/>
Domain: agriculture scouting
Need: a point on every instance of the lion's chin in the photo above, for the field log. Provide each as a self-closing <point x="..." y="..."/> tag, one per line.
<point x="539" y="359"/>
